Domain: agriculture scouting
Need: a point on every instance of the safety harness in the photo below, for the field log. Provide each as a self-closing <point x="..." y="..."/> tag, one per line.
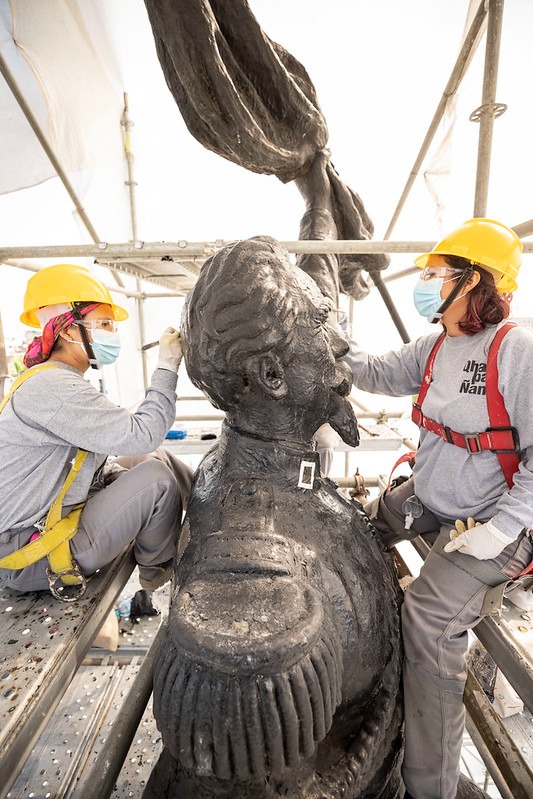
<point x="52" y="541"/>
<point x="501" y="437"/>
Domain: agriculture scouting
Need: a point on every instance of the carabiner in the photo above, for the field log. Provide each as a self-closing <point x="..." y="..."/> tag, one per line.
<point x="53" y="577"/>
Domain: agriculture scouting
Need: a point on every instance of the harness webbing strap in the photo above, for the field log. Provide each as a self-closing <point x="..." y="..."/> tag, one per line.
<point x="407" y="457"/>
<point x="428" y="374"/>
<point x="492" y="440"/>
<point x="22" y="379"/>
<point x="54" y="514"/>
<point x="500" y="438"/>
<point x="498" y="416"/>
<point x="43" y="546"/>
<point x="53" y="541"/>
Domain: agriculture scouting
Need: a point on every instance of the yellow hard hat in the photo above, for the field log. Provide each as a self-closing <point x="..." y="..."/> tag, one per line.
<point x="487" y="243"/>
<point x="65" y="283"/>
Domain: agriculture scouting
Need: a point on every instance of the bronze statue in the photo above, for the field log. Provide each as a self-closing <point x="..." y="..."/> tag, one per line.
<point x="246" y="98"/>
<point x="280" y="675"/>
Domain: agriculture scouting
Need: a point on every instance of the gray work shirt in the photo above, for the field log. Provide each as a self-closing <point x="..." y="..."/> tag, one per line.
<point x="49" y="418"/>
<point x="449" y="481"/>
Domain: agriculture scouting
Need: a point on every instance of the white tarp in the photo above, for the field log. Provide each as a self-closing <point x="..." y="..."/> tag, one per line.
<point x="27" y="164"/>
<point x="57" y="52"/>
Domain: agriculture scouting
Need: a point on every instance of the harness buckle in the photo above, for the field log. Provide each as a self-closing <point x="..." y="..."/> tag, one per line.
<point x="514" y="434"/>
<point x="416" y="414"/>
<point x="472" y="437"/>
<point x="447" y="434"/>
<point x="60" y="594"/>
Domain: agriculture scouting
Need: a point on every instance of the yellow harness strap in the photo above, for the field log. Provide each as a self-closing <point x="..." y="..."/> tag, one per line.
<point x="22" y="379"/>
<point x="53" y="541"/>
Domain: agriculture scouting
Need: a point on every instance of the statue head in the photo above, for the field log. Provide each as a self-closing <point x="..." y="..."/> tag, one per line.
<point x="258" y="343"/>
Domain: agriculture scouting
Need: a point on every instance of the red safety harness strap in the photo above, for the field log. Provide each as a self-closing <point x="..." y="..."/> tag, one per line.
<point x="500" y="438"/>
<point x="428" y="374"/>
<point x="498" y="416"/>
<point x="407" y="457"/>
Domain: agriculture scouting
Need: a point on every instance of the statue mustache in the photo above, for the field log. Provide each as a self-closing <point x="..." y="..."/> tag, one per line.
<point x="342" y="419"/>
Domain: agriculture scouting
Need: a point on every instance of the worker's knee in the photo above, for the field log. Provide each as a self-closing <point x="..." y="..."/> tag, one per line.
<point x="152" y="471"/>
<point x="154" y="478"/>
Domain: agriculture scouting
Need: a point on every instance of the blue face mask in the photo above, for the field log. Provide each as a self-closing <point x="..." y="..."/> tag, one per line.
<point x="426" y="296"/>
<point x="106" y="346"/>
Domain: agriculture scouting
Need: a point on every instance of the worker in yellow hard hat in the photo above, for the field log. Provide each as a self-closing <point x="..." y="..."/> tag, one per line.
<point x="61" y="296"/>
<point x="67" y="510"/>
<point x="471" y="489"/>
<point x="478" y="250"/>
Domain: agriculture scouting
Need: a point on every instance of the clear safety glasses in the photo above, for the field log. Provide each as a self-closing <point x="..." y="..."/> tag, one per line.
<point x="433" y="272"/>
<point x="109" y="325"/>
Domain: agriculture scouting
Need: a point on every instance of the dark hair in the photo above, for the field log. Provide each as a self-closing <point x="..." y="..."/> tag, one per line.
<point x="486" y="306"/>
<point x="81" y="306"/>
<point x="246" y="301"/>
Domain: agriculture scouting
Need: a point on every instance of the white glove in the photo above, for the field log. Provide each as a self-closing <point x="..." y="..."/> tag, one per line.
<point x="339" y="321"/>
<point x="170" y="352"/>
<point x="342" y="320"/>
<point x="482" y="541"/>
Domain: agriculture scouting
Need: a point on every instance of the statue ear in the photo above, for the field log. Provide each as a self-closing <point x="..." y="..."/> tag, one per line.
<point x="270" y="376"/>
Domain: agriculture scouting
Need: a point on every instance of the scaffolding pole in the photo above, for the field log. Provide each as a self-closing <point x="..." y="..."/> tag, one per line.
<point x="391" y="308"/>
<point x="524" y="228"/>
<point x="204" y="249"/>
<point x="4" y="370"/>
<point x="489" y="110"/>
<point x="28" y="266"/>
<point x="127" y="124"/>
<point x="451" y="89"/>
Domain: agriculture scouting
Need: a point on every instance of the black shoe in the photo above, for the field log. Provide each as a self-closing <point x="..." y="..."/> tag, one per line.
<point x="152" y="577"/>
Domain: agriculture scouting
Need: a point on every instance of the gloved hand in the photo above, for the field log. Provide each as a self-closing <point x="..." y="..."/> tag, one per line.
<point x="482" y="541"/>
<point x="170" y="352"/>
<point x="342" y="321"/>
<point x="338" y="320"/>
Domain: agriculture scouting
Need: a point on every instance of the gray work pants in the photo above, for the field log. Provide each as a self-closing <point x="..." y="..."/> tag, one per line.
<point x="439" y="607"/>
<point x="144" y="504"/>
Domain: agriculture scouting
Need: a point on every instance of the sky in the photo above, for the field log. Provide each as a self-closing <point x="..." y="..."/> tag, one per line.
<point x="379" y="70"/>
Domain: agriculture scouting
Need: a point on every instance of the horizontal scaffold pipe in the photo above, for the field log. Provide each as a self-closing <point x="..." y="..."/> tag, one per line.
<point x="205" y="249"/>
<point x="31" y="267"/>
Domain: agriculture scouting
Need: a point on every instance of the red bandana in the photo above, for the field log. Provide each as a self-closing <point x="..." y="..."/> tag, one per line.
<point x="40" y="348"/>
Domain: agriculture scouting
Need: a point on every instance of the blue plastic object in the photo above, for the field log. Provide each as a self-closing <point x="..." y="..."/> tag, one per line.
<point x="176" y="434"/>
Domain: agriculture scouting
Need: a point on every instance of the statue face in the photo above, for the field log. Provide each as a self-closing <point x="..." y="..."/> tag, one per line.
<point x="257" y="342"/>
<point x="317" y="381"/>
